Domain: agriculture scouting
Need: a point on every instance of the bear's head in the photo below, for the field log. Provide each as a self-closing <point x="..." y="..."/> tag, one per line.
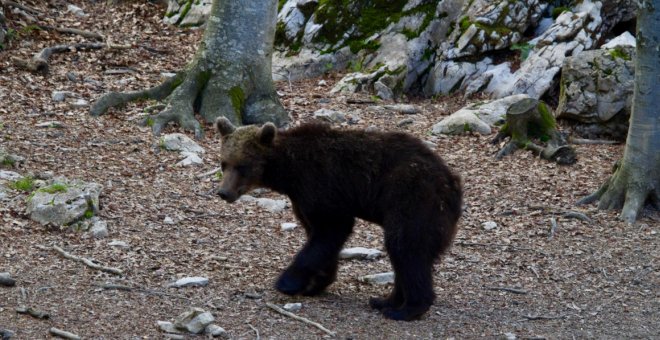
<point x="243" y="154"/>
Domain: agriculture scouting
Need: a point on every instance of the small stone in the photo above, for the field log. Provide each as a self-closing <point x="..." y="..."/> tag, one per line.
<point x="274" y="206"/>
<point x="490" y="225"/>
<point x="180" y="142"/>
<point x="379" y="279"/>
<point x="117" y="243"/>
<point x="80" y="103"/>
<point x="288" y="226"/>
<point x="293" y="307"/>
<point x="404" y="122"/>
<point x="215" y="331"/>
<point x="360" y="253"/>
<point x="403" y="108"/>
<point x="54" y="124"/>
<point x="331" y="116"/>
<point x="252" y="294"/>
<point x="72" y="76"/>
<point x="77" y="11"/>
<point x="430" y="144"/>
<point x="168" y="220"/>
<point x="508" y="336"/>
<point x="194" y="321"/>
<point x="6" y="334"/>
<point x="9" y="175"/>
<point x="196" y="281"/>
<point x="191" y="158"/>
<point x="6" y="280"/>
<point x="99" y="229"/>
<point x="167" y="327"/>
<point x="60" y="96"/>
<point x="322" y="83"/>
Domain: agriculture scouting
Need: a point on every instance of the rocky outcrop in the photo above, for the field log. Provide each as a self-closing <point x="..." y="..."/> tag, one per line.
<point x="187" y="12"/>
<point x="597" y="91"/>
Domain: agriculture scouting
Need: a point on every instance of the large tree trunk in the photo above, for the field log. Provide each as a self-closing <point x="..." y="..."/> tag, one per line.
<point x="637" y="179"/>
<point x="229" y="76"/>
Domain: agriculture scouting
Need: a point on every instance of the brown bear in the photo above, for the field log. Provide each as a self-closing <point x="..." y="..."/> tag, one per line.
<point x="334" y="176"/>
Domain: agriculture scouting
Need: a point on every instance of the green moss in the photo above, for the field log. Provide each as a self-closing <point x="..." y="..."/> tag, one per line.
<point x="280" y="4"/>
<point x="358" y="45"/>
<point x="467" y="127"/>
<point x="619" y="52"/>
<point x="237" y="97"/>
<point x="410" y="34"/>
<point x="8" y="162"/>
<point x="54" y="188"/>
<point x="149" y="122"/>
<point x="89" y="213"/>
<point x="524" y="49"/>
<point x="24" y="184"/>
<point x="218" y="175"/>
<point x="548" y="120"/>
<point x="464" y="23"/>
<point x="184" y="11"/>
<point x="557" y="11"/>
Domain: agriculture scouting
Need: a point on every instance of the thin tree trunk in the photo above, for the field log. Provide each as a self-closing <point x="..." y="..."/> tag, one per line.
<point x="229" y="76"/>
<point x="636" y="180"/>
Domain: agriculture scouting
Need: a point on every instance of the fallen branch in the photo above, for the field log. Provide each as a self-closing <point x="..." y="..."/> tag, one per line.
<point x="208" y="173"/>
<point x="299" y="318"/>
<point x="19" y="6"/>
<point x="578" y="215"/>
<point x="112" y="286"/>
<point x="39" y="62"/>
<point x="35" y="313"/>
<point x="582" y="141"/>
<point x="256" y="331"/>
<point x="509" y="289"/>
<point x="63" y="334"/>
<point x="75" y="31"/>
<point x="88" y="262"/>
<point x="542" y="317"/>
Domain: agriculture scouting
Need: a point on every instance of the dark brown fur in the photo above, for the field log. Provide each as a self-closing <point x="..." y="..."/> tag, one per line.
<point x="334" y="176"/>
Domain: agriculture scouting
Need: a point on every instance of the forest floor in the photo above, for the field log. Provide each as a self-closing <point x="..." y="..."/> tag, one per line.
<point x="598" y="279"/>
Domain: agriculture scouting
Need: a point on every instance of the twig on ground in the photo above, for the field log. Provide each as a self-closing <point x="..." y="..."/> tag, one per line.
<point x="19" y="6"/>
<point x="88" y="262"/>
<point x="208" y="173"/>
<point x="39" y="62"/>
<point x="113" y="286"/>
<point x="299" y="318"/>
<point x="553" y="228"/>
<point x="256" y="331"/>
<point x="509" y="289"/>
<point x="63" y="334"/>
<point x="472" y="244"/>
<point x="75" y="31"/>
<point x="541" y="317"/>
<point x="360" y="101"/>
<point x="32" y="312"/>
<point x="578" y="215"/>
<point x="591" y="141"/>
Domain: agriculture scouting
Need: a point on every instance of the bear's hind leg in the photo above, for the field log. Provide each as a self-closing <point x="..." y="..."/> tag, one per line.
<point x="315" y="266"/>
<point x="413" y="276"/>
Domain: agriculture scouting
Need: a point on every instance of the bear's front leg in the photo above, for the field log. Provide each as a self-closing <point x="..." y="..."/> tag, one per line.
<point x="315" y="266"/>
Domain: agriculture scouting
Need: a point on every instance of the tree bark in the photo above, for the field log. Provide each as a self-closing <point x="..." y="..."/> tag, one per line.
<point x="530" y="119"/>
<point x="636" y="180"/>
<point x="229" y="76"/>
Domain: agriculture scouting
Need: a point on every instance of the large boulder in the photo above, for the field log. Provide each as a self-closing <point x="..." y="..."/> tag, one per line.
<point x="597" y="90"/>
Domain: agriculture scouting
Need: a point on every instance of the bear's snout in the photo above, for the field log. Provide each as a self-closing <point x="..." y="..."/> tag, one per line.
<point x="227" y="195"/>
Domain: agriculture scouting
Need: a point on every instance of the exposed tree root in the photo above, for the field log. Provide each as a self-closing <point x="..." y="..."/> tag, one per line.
<point x="88" y="262"/>
<point x="74" y="31"/>
<point x="628" y="190"/>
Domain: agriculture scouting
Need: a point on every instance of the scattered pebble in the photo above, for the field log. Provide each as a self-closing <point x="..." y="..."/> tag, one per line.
<point x="379" y="279"/>
<point x="274" y="206"/>
<point x="196" y="281"/>
<point x="194" y="321"/>
<point x="404" y="122"/>
<point x="80" y="103"/>
<point x="168" y="220"/>
<point x="360" y="253"/>
<point x="99" y="229"/>
<point x="6" y="334"/>
<point x="331" y="116"/>
<point x="288" y="226"/>
<point x="167" y="327"/>
<point x="490" y="225"/>
<point x="215" y="331"/>
<point x="6" y="280"/>
<point x="403" y="108"/>
<point x="293" y="307"/>
<point x="117" y="243"/>
<point x="252" y="294"/>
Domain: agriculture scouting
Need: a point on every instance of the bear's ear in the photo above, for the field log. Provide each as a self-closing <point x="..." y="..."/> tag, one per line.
<point x="223" y="126"/>
<point x="267" y="134"/>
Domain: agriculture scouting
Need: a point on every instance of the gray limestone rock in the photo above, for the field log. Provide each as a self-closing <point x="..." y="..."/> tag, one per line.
<point x="189" y="282"/>
<point x="194" y="320"/>
<point x="63" y="201"/>
<point x="379" y="279"/>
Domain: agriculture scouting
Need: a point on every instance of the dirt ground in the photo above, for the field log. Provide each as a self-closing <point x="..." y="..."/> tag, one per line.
<point x="598" y="279"/>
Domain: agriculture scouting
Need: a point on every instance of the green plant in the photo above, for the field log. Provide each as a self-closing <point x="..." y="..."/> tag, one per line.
<point x="54" y="188"/>
<point x="24" y="184"/>
<point x="524" y="49"/>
